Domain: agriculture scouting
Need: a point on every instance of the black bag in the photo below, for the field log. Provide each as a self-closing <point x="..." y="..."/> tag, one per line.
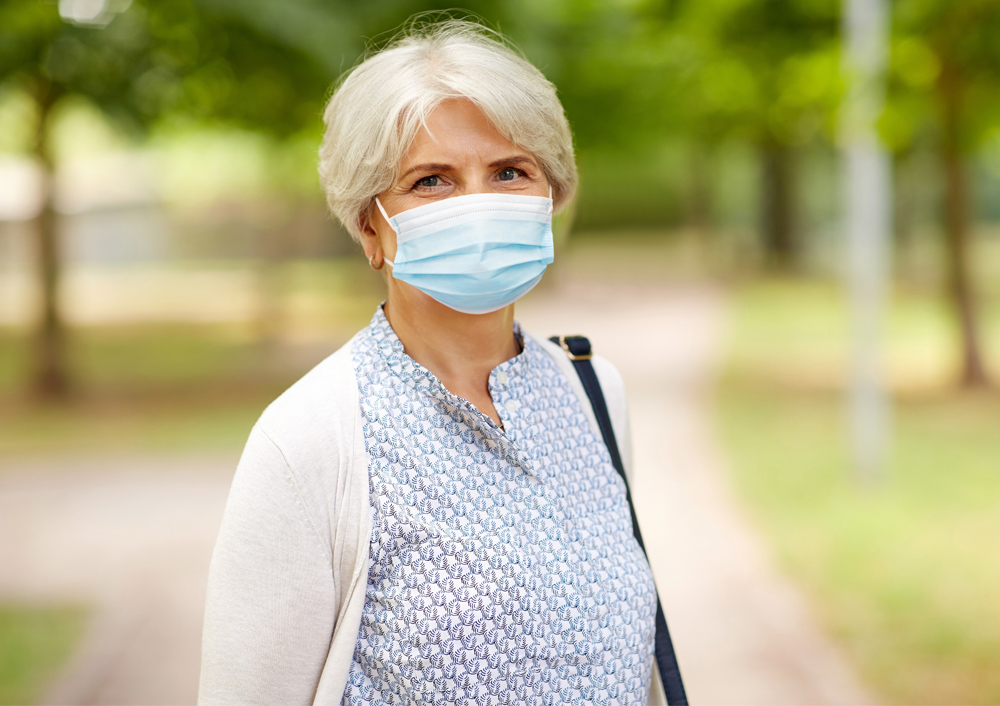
<point x="578" y="350"/>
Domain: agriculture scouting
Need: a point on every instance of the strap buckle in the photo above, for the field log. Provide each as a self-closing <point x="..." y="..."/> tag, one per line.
<point x="569" y="352"/>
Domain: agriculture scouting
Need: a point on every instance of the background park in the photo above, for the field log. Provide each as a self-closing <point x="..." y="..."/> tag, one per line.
<point x="167" y="268"/>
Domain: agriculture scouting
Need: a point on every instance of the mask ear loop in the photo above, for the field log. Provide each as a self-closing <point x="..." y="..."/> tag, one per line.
<point x="386" y="217"/>
<point x="551" y="202"/>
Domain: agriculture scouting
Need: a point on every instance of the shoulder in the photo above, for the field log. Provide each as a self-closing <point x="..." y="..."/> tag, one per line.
<point x="611" y="380"/>
<point x="613" y="389"/>
<point x="612" y="384"/>
<point x="319" y="409"/>
<point x="307" y="451"/>
<point x="310" y="441"/>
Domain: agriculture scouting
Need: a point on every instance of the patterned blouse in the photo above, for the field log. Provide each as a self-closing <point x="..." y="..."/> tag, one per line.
<point x="503" y="564"/>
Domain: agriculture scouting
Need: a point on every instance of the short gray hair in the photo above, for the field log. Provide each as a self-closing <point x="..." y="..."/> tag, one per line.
<point x="380" y="105"/>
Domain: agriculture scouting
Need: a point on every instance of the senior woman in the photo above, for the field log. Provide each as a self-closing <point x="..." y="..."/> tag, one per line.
<point x="430" y="515"/>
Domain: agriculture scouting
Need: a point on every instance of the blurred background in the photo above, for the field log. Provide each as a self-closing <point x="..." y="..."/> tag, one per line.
<point x="167" y="268"/>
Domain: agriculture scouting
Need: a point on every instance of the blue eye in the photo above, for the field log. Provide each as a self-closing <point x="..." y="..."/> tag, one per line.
<point x="508" y="174"/>
<point x="429" y="181"/>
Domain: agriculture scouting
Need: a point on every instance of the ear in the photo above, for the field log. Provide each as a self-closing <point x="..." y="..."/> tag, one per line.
<point x="369" y="237"/>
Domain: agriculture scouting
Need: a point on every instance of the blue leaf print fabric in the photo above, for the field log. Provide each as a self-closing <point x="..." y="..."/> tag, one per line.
<point x="503" y="570"/>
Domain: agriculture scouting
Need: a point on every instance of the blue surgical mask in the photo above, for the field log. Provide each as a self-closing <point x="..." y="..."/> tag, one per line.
<point x="475" y="253"/>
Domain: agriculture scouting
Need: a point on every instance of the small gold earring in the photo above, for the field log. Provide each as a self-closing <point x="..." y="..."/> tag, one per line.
<point x="372" y="264"/>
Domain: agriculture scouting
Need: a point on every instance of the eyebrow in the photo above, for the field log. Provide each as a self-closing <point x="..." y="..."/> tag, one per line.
<point x="426" y="167"/>
<point x="513" y="160"/>
<point x="444" y="167"/>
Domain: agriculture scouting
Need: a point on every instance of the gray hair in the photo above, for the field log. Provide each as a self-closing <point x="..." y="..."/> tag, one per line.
<point x="381" y="104"/>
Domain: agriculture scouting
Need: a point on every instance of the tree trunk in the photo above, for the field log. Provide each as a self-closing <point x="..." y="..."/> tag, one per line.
<point x="699" y="198"/>
<point x="904" y="201"/>
<point x="778" y="226"/>
<point x="51" y="379"/>
<point x="959" y="279"/>
<point x="272" y="252"/>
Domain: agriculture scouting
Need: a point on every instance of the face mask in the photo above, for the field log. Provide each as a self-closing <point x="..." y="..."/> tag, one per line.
<point x="475" y="253"/>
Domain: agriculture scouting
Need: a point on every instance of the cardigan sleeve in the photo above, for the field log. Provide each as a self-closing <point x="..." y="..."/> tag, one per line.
<point x="272" y="599"/>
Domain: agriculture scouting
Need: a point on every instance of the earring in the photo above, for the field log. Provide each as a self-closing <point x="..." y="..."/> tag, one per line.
<point x="372" y="264"/>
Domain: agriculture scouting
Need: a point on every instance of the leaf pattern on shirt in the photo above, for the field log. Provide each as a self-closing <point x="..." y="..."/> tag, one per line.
<point x="503" y="564"/>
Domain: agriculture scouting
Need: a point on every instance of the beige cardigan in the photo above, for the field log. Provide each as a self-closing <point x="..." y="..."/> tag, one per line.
<point x="290" y="567"/>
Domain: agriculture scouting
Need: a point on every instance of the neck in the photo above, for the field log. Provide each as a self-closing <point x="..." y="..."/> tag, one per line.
<point x="460" y="349"/>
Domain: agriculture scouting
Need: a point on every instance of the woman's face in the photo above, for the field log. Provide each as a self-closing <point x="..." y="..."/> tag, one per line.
<point x="459" y="152"/>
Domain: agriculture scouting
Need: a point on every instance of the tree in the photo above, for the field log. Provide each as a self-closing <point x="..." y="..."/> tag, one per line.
<point x="763" y="72"/>
<point x="787" y="52"/>
<point x="947" y="79"/>
<point x="49" y="59"/>
<point x="246" y="63"/>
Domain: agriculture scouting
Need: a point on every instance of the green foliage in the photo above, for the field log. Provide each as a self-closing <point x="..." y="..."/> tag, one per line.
<point x="34" y="643"/>
<point x="940" y="46"/>
<point x="766" y="70"/>
<point x="630" y="73"/>
<point x="251" y="64"/>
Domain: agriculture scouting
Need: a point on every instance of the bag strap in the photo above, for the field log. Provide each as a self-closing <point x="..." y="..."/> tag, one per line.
<point x="579" y="351"/>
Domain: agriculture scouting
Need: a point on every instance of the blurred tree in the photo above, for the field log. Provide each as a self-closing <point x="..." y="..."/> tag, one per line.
<point x="632" y="75"/>
<point x="946" y="88"/>
<point x="763" y="72"/>
<point x="46" y="57"/>
<point x="251" y="63"/>
<point x="771" y="77"/>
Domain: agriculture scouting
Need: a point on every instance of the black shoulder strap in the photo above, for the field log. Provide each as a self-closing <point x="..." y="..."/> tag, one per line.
<point x="579" y="352"/>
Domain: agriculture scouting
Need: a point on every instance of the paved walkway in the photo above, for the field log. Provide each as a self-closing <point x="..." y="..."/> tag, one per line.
<point x="131" y="537"/>
<point x="134" y="536"/>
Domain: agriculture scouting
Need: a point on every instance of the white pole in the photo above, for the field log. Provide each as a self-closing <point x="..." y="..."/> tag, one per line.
<point x="868" y="209"/>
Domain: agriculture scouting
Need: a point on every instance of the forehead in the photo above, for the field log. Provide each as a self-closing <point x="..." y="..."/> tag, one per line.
<point x="458" y="131"/>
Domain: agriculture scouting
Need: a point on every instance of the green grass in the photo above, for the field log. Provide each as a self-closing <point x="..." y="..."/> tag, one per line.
<point x="142" y="388"/>
<point x="211" y="418"/>
<point x="164" y="387"/>
<point x="906" y="574"/>
<point x="34" y="644"/>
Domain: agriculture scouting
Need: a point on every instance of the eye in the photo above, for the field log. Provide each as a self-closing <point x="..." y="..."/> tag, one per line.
<point x="509" y="174"/>
<point x="428" y="181"/>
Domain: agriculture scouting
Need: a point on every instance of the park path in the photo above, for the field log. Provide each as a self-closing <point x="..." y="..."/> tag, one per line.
<point x="131" y="537"/>
<point x="134" y="536"/>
